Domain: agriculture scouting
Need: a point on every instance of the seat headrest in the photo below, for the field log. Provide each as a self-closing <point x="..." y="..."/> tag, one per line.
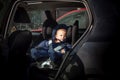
<point x="21" y="16"/>
<point x="19" y="40"/>
<point x="48" y="25"/>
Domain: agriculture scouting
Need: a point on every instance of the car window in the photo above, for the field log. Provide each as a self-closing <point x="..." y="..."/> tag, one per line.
<point x="28" y="19"/>
<point x="70" y="17"/>
<point x="37" y="18"/>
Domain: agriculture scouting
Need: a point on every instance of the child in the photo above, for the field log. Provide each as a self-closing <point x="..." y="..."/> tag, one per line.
<point x="54" y="48"/>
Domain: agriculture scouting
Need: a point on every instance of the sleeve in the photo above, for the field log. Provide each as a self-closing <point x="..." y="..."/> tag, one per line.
<point x="68" y="47"/>
<point x="43" y="44"/>
<point x="54" y="56"/>
<point x="58" y="48"/>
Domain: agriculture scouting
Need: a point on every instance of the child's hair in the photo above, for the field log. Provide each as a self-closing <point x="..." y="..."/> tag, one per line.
<point x="60" y="29"/>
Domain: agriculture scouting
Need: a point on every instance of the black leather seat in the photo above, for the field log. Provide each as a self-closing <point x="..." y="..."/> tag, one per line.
<point x="18" y="42"/>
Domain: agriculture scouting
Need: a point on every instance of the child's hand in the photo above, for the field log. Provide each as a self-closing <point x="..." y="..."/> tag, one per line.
<point x="63" y="51"/>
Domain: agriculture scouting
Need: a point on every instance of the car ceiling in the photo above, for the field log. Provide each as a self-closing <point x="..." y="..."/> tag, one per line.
<point x="45" y="4"/>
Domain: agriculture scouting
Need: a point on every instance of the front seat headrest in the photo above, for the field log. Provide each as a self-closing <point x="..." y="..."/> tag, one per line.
<point x="48" y="25"/>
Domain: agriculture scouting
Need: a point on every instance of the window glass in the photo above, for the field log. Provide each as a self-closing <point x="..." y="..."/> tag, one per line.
<point x="71" y="16"/>
<point x="37" y="18"/>
<point x="65" y="15"/>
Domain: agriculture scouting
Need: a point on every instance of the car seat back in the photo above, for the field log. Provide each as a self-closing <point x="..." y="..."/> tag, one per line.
<point x="69" y="35"/>
<point x="18" y="43"/>
<point x="75" y="32"/>
<point x="48" y="25"/>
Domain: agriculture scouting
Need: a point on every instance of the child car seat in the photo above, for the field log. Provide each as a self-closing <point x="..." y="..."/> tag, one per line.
<point x="75" y="31"/>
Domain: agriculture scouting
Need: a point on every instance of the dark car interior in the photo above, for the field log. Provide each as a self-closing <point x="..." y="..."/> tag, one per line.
<point x="23" y="39"/>
<point x="18" y="43"/>
<point x="91" y="32"/>
<point x="20" y="38"/>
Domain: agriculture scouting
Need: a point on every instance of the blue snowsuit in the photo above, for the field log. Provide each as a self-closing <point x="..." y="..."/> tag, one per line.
<point x="48" y="48"/>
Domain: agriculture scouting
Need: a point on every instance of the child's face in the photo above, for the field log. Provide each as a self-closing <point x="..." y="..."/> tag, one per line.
<point x="60" y="35"/>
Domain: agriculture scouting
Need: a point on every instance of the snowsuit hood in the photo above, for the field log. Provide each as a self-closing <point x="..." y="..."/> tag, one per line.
<point x="59" y="26"/>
